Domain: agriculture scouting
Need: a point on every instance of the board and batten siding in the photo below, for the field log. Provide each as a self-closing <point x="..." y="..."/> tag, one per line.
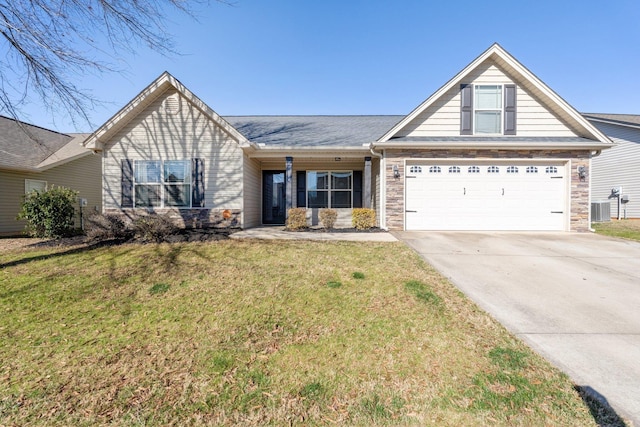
<point x="618" y="166"/>
<point x="82" y="175"/>
<point x="172" y="128"/>
<point x="442" y="118"/>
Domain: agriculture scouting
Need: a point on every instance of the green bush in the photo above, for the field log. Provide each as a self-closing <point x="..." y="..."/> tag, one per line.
<point x="154" y="228"/>
<point x="363" y="218"/>
<point x="328" y="218"/>
<point x="100" y="227"/>
<point x="49" y="213"/>
<point x="297" y="219"/>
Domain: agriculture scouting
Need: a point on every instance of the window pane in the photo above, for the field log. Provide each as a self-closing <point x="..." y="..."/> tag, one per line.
<point x="487" y="121"/>
<point x="147" y="195"/>
<point x="147" y="171"/>
<point x="341" y="180"/>
<point x="318" y="199"/>
<point x="317" y="180"/>
<point x="341" y="199"/>
<point x="177" y="195"/>
<point x="488" y="97"/>
<point x="177" y="171"/>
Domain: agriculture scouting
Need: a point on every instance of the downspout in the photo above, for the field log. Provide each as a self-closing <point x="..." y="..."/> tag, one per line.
<point x="593" y="154"/>
<point x="383" y="186"/>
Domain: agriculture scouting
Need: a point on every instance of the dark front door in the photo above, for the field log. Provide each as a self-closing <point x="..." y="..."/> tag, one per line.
<point x="273" y="197"/>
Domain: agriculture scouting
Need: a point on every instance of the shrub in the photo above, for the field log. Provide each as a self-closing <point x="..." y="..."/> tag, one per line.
<point x="328" y="218"/>
<point x="154" y="228"/>
<point x="49" y="213"/>
<point x="297" y="218"/>
<point x="106" y="227"/>
<point x="363" y="218"/>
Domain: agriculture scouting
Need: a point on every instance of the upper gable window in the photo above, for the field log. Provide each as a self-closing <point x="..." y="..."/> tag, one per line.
<point x="488" y="109"/>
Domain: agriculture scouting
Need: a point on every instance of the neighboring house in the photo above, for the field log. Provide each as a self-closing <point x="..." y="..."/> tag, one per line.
<point x="493" y="149"/>
<point x="35" y="158"/>
<point x="620" y="166"/>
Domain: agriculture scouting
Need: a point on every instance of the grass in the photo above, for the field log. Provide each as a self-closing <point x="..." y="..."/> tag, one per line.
<point x="627" y="229"/>
<point x="259" y="333"/>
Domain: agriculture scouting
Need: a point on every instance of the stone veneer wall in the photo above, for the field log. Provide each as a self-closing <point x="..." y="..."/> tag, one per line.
<point x="394" y="203"/>
<point x="186" y="218"/>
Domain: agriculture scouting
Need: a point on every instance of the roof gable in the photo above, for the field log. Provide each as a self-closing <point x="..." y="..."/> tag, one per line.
<point x="160" y="85"/>
<point x="496" y="56"/>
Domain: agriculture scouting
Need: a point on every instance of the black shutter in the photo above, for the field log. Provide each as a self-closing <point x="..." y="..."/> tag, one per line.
<point x="357" y="189"/>
<point x="301" y="189"/>
<point x="466" y="109"/>
<point x="509" y="109"/>
<point x="197" y="183"/>
<point x="126" y="183"/>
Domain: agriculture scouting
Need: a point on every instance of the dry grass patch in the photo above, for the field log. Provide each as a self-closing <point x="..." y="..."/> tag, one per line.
<point x="251" y="333"/>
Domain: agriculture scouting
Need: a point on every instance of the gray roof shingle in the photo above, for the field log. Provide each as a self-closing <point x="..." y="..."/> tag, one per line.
<point x="313" y="131"/>
<point x="630" y="119"/>
<point x="24" y="146"/>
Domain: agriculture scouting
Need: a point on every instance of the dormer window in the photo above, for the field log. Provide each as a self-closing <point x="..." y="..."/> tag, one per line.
<point x="488" y="109"/>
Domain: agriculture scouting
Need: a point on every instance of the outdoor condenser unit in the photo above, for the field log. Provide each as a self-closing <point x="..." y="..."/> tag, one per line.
<point x="600" y="211"/>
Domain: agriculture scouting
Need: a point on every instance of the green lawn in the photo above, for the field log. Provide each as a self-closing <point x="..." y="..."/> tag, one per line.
<point x="627" y="229"/>
<point x="259" y="333"/>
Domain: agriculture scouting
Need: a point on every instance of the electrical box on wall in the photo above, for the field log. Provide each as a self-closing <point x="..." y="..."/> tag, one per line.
<point x="83" y="203"/>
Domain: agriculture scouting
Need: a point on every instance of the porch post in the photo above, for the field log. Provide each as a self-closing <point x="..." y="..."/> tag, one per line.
<point x="366" y="203"/>
<point x="288" y="185"/>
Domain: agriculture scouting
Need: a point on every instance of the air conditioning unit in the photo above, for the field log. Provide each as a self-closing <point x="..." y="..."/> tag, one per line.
<point x="600" y="211"/>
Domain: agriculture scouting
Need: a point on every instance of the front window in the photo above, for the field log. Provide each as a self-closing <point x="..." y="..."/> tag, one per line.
<point x="488" y="109"/>
<point x="329" y="189"/>
<point x="162" y="184"/>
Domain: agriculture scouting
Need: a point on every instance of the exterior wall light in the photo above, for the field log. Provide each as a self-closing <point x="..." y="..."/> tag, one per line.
<point x="396" y="171"/>
<point x="582" y="172"/>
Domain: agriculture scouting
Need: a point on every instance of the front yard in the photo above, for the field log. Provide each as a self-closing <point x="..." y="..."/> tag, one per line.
<point x="258" y="333"/>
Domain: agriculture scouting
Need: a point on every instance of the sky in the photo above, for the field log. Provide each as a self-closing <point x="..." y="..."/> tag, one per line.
<point x="357" y="57"/>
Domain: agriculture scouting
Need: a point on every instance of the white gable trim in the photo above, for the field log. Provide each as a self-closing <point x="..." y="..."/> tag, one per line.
<point x="497" y="51"/>
<point x="144" y="98"/>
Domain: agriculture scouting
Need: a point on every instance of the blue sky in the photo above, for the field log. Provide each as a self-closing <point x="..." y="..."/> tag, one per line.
<point x="285" y="57"/>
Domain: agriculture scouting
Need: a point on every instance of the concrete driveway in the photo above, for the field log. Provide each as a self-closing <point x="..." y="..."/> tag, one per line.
<point x="574" y="298"/>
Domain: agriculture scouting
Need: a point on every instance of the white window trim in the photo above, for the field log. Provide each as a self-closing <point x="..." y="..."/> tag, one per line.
<point x="501" y="109"/>
<point x="329" y="190"/>
<point x="162" y="184"/>
<point x="40" y="183"/>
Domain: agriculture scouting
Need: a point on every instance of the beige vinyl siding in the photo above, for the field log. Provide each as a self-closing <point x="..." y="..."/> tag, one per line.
<point x="442" y="118"/>
<point x="618" y="166"/>
<point x="171" y="128"/>
<point x="82" y="175"/>
<point x="252" y="183"/>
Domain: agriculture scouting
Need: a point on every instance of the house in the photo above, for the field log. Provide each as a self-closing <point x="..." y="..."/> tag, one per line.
<point x="618" y="167"/>
<point x="492" y="149"/>
<point x="34" y="158"/>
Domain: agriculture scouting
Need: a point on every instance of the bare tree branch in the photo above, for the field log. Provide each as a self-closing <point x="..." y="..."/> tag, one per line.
<point x="47" y="45"/>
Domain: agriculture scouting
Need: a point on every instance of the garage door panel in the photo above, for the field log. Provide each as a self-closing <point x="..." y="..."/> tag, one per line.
<point x="485" y="198"/>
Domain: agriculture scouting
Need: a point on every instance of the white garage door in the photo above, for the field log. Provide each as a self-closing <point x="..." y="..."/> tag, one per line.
<point x="497" y="196"/>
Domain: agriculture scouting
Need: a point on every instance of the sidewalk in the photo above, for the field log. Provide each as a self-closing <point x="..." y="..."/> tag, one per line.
<point x="277" y="232"/>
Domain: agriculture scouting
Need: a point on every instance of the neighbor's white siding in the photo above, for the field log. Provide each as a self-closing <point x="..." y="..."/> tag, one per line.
<point x="82" y="175"/>
<point x="442" y="118"/>
<point x="173" y="128"/>
<point x="618" y="166"/>
<point x="252" y="183"/>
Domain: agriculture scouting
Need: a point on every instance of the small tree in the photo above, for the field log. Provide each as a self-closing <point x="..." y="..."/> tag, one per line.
<point x="49" y="213"/>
